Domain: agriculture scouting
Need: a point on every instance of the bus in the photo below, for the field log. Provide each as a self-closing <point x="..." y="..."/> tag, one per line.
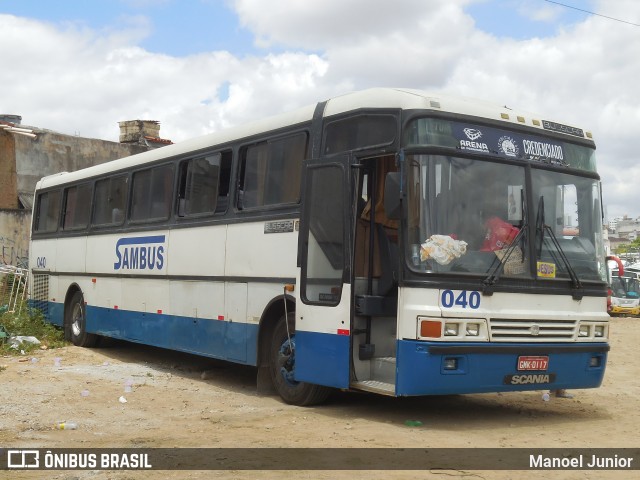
<point x="624" y="296"/>
<point x="387" y="240"/>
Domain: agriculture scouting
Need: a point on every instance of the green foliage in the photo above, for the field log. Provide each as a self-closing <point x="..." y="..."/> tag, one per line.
<point x="30" y="322"/>
<point x="628" y="247"/>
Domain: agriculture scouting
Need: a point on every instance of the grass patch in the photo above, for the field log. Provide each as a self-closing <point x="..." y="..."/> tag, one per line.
<point x="30" y="322"/>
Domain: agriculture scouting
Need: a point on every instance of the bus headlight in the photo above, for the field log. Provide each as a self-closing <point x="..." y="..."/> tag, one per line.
<point x="584" y="331"/>
<point x="599" y="331"/>
<point x="451" y="329"/>
<point x="473" y="329"/>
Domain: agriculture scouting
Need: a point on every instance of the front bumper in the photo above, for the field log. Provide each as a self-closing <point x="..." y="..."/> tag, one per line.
<point x="482" y="367"/>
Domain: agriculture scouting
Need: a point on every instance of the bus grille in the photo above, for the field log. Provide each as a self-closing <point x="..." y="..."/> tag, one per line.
<point x="513" y="330"/>
<point x="40" y="293"/>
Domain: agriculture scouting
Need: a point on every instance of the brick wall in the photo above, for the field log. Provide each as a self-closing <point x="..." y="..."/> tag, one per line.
<point x="8" y="181"/>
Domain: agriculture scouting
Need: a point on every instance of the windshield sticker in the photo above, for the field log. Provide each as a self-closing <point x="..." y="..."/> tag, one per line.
<point x="475" y="139"/>
<point x="508" y="146"/>
<point x="546" y="270"/>
<point x="543" y="149"/>
<point x="471" y="143"/>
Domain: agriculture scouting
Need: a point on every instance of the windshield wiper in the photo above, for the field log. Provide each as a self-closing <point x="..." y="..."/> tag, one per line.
<point x="496" y="272"/>
<point x="541" y="227"/>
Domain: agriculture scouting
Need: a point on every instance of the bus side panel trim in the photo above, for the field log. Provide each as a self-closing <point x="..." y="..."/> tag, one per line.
<point x="56" y="313"/>
<point x="207" y="337"/>
<point x="320" y="359"/>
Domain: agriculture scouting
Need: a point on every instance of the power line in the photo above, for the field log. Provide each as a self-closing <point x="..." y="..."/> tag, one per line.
<point x="593" y="13"/>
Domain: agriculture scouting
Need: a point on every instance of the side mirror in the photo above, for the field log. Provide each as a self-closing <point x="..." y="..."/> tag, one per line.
<point x="392" y="203"/>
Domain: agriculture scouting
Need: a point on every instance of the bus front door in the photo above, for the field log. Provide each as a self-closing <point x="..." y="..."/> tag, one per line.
<point x="323" y="313"/>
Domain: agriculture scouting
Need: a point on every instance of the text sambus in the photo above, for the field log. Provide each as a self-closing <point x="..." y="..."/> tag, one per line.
<point x="385" y="240"/>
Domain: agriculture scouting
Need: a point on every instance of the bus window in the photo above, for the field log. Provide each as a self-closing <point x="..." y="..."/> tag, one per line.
<point x="110" y="199"/>
<point x="358" y="132"/>
<point x="198" y="185"/>
<point x="570" y="206"/>
<point x="77" y="207"/>
<point x="270" y="172"/>
<point x="48" y="208"/>
<point x="324" y="265"/>
<point x="151" y="194"/>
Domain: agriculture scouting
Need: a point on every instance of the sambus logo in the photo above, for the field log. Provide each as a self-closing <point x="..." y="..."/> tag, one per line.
<point x="140" y="253"/>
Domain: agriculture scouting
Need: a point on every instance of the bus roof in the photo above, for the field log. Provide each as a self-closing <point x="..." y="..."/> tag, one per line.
<point x="391" y="98"/>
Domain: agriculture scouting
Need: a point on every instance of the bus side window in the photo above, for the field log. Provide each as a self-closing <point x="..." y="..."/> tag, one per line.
<point x="109" y="199"/>
<point x="198" y="185"/>
<point x="203" y="185"/>
<point x="77" y="207"/>
<point x="48" y="212"/>
<point x="151" y="193"/>
<point x="270" y="172"/>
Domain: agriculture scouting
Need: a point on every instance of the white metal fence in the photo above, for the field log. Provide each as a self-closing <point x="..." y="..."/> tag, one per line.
<point x="13" y="287"/>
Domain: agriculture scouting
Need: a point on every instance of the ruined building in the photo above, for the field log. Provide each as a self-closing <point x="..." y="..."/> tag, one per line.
<point x="30" y="153"/>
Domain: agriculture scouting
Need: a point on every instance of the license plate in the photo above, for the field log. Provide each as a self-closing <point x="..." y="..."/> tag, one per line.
<point x="533" y="363"/>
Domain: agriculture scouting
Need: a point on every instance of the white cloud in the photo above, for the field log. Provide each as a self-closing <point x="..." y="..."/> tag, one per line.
<point x="73" y="79"/>
<point x="541" y="12"/>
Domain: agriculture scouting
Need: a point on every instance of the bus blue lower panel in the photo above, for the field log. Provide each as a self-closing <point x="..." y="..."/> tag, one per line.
<point x="322" y="358"/>
<point x="233" y="341"/>
<point x="421" y="367"/>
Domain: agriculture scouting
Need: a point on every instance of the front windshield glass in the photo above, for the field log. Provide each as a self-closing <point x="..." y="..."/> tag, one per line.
<point x="569" y="207"/>
<point x="471" y="216"/>
<point x="466" y="216"/>
<point x="625" y="287"/>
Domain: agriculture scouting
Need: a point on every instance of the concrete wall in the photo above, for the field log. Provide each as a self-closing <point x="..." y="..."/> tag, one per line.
<point x="53" y="152"/>
<point x="14" y="244"/>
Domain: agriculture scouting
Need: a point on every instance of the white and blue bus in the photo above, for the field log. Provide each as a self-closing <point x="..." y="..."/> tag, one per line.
<point x="388" y="240"/>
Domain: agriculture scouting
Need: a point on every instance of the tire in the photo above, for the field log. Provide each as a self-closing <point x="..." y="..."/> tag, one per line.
<point x="282" y="368"/>
<point x="75" y="323"/>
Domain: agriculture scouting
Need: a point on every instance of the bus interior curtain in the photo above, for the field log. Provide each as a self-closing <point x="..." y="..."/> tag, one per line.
<point x="384" y="165"/>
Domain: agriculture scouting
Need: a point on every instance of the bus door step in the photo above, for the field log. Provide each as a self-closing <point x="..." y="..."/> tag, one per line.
<point x="374" y="386"/>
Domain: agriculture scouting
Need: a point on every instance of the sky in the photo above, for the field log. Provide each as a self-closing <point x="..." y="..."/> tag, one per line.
<point x="198" y="66"/>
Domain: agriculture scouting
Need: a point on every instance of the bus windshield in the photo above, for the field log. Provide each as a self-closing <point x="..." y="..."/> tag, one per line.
<point x="625" y="287"/>
<point x="468" y="216"/>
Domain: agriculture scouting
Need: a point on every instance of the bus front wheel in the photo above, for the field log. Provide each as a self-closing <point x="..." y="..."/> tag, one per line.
<point x="282" y="367"/>
<point x="76" y="323"/>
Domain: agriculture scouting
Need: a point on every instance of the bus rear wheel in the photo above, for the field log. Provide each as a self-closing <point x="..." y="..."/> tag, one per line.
<point x="282" y="367"/>
<point x="76" y="323"/>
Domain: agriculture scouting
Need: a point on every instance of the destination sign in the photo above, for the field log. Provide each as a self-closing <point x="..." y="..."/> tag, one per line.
<point x="558" y="127"/>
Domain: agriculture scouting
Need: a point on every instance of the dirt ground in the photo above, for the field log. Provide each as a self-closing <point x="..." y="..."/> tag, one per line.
<point x="178" y="400"/>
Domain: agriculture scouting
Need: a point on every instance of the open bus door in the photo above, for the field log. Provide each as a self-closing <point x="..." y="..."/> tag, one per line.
<point x="323" y="313"/>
